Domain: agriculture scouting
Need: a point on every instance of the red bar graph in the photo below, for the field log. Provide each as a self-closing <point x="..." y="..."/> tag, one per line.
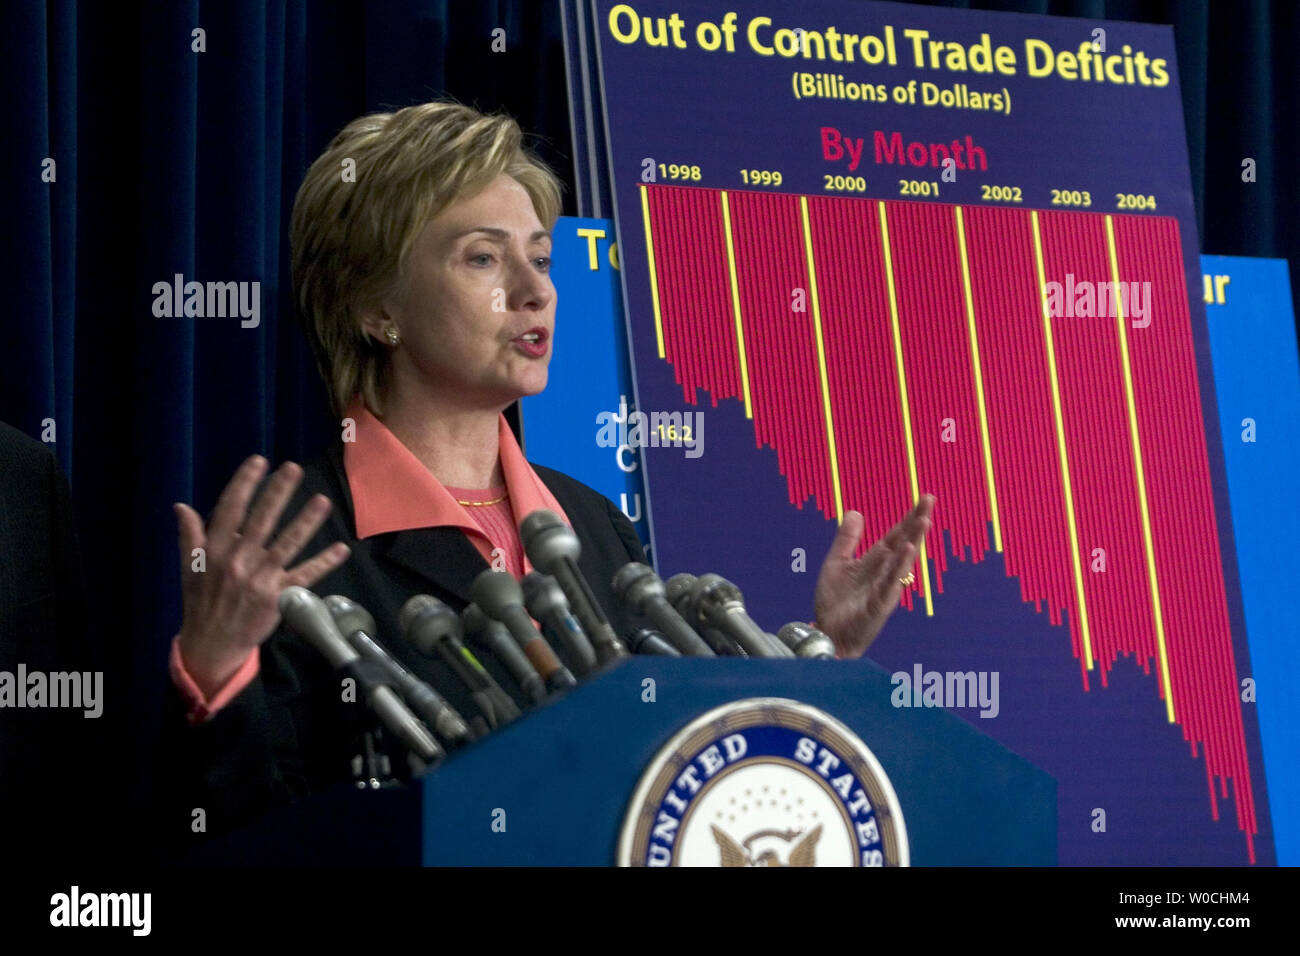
<point x="884" y="349"/>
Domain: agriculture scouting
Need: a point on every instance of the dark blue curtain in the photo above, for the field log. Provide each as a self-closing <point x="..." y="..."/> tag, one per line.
<point x="166" y="161"/>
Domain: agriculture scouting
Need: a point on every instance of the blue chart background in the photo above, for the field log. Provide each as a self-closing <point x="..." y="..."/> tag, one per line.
<point x="1252" y="336"/>
<point x="1110" y="748"/>
<point x="1255" y="368"/>
<point x="589" y="371"/>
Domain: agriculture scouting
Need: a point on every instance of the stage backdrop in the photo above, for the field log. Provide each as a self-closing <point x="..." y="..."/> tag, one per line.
<point x="873" y="250"/>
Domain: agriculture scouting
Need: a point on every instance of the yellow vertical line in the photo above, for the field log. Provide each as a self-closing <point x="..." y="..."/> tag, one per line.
<point x="654" y="277"/>
<point x="1147" y="540"/>
<point x="902" y="389"/>
<point x="735" y="304"/>
<point x="1060" y="446"/>
<point x="979" y="381"/>
<point x="821" y="362"/>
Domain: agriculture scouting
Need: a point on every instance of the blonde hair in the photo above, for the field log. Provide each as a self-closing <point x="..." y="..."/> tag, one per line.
<point x="350" y="241"/>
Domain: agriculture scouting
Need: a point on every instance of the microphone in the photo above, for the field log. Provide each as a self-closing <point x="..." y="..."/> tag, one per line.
<point x="496" y="637"/>
<point x="434" y="630"/>
<point x="648" y="641"/>
<point x="677" y="591"/>
<point x="356" y="624"/>
<point x="500" y="597"/>
<point x="638" y="587"/>
<point x="546" y="602"/>
<point x="307" y="615"/>
<point x="807" y="641"/>
<point x="371" y="767"/>
<point x="553" y="549"/>
<point x="720" y="603"/>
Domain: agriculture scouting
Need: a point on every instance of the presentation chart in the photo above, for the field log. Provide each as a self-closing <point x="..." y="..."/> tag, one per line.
<point x="958" y="256"/>
<point x="1079" y="468"/>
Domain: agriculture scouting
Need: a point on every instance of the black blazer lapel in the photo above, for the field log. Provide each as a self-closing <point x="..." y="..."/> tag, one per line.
<point x="445" y="557"/>
<point x="442" y="556"/>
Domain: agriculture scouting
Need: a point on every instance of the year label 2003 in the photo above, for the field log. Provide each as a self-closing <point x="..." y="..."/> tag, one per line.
<point x="1071" y="197"/>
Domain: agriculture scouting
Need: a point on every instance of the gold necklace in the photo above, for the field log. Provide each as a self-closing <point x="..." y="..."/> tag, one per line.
<point x="483" y="504"/>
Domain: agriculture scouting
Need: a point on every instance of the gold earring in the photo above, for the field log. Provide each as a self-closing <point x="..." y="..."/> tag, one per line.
<point x="393" y="337"/>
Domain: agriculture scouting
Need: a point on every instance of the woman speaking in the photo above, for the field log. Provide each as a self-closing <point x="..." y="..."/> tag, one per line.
<point x="421" y="253"/>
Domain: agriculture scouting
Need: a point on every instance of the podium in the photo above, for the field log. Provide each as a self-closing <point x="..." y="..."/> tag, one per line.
<point x="554" y="787"/>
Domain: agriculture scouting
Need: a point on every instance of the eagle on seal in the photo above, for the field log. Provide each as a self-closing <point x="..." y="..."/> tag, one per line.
<point x="802" y="853"/>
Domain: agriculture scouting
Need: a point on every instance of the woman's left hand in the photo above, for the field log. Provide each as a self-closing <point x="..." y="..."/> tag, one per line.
<point x="855" y="597"/>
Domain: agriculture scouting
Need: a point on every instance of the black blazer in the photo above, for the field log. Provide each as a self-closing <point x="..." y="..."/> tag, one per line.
<point x="46" y="753"/>
<point x="41" y="598"/>
<point x="289" y="733"/>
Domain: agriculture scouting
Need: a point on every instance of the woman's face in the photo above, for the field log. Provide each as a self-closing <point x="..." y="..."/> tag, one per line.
<point x="478" y="312"/>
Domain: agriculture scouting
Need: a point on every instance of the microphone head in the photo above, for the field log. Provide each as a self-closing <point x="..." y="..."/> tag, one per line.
<point x="307" y="616"/>
<point x="423" y="608"/>
<point x="349" y="615"/>
<point x="305" y="611"/>
<point x="543" y="595"/>
<point x="495" y="591"/>
<point x="548" y="540"/>
<point x="678" y="591"/>
<point x="791" y="634"/>
<point x="415" y="605"/>
<point x="636" y="584"/>
<point x="538" y="521"/>
<point x="711" y="593"/>
<point x="294" y="597"/>
<point x="806" y="641"/>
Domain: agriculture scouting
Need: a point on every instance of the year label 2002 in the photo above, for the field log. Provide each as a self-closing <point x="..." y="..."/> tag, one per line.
<point x="1001" y="193"/>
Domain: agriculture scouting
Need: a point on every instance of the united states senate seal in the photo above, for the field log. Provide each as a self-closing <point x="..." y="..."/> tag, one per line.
<point x="764" y="782"/>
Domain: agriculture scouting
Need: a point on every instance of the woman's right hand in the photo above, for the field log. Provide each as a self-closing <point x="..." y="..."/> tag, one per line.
<point x="232" y="605"/>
